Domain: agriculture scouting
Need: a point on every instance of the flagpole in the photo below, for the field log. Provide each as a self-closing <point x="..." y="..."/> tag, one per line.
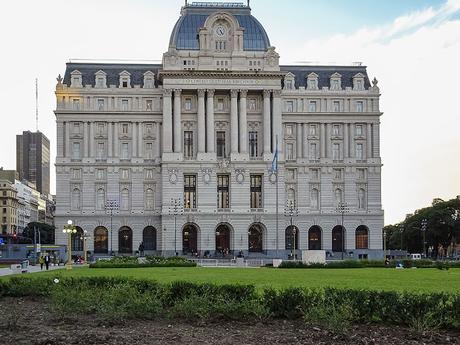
<point x="276" y="174"/>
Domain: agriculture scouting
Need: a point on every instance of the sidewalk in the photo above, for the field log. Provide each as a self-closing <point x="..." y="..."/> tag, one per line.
<point x="31" y="269"/>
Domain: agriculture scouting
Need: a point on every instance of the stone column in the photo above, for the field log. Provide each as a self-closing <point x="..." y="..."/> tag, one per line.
<point x="267" y="119"/>
<point x="299" y="140"/>
<point x="60" y="142"/>
<point x="352" y="140"/>
<point x="328" y="141"/>
<point x="234" y="121"/>
<point x="134" y="139"/>
<point x="140" y="140"/>
<point x="85" y="139"/>
<point x="346" y="139"/>
<point x="109" y="140"/>
<point x="67" y="139"/>
<point x="201" y="123"/>
<point x="167" y="121"/>
<point x="243" y="122"/>
<point x="305" y="140"/>
<point x="157" y="143"/>
<point x="323" y="140"/>
<point x="177" y="121"/>
<point x="116" y="144"/>
<point x="91" y="140"/>
<point x="277" y="123"/>
<point x="369" y="141"/>
<point x="375" y="139"/>
<point x="210" y="121"/>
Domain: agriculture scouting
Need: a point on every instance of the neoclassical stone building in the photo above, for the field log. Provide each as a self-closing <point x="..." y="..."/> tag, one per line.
<point x="185" y="148"/>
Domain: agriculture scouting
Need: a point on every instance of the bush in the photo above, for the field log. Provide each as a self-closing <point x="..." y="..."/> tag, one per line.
<point x="150" y="261"/>
<point x="335" y="318"/>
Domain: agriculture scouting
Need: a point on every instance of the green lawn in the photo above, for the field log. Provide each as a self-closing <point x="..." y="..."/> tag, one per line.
<point x="371" y="278"/>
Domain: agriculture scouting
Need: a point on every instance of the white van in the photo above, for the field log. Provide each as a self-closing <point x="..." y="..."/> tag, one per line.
<point x="416" y="256"/>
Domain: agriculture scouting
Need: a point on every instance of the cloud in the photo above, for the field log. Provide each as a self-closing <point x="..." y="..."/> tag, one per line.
<point x="415" y="59"/>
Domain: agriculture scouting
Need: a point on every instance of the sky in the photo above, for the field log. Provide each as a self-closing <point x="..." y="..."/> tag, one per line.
<point x="411" y="46"/>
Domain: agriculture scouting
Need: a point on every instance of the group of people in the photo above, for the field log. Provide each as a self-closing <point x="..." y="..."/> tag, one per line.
<point x="45" y="260"/>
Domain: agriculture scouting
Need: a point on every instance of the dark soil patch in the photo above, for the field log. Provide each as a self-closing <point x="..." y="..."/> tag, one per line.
<point x="29" y="321"/>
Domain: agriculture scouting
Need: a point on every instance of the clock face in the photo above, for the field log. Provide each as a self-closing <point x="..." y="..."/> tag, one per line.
<point x="220" y="31"/>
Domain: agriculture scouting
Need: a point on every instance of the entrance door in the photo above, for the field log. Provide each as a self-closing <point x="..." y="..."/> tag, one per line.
<point x="125" y="240"/>
<point x="190" y="239"/>
<point x="223" y="239"/>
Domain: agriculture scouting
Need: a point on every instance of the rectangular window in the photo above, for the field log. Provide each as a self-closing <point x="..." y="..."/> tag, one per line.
<point x="99" y="174"/>
<point x="124" y="174"/>
<point x="100" y="150"/>
<point x="189" y="191"/>
<point x="124" y="128"/>
<point x="76" y="104"/>
<point x="289" y="130"/>
<point x="359" y="151"/>
<point x="359" y="130"/>
<point x="76" y="174"/>
<point x="252" y="104"/>
<point x="220" y="140"/>
<point x="100" y="104"/>
<point x="188" y="104"/>
<point x="124" y="150"/>
<point x="359" y="84"/>
<point x="76" y="151"/>
<point x="256" y="191"/>
<point x="290" y="151"/>
<point x="124" y="83"/>
<point x="253" y="149"/>
<point x="312" y="130"/>
<point x="100" y="128"/>
<point x="359" y="107"/>
<point x="336" y="106"/>
<point x="223" y="200"/>
<point x="124" y="104"/>
<point x="312" y="106"/>
<point x="336" y="130"/>
<point x="149" y="174"/>
<point x="149" y="150"/>
<point x="149" y="128"/>
<point x="289" y="106"/>
<point x="76" y="128"/>
<point x="312" y="84"/>
<point x="314" y="174"/>
<point x="337" y="174"/>
<point x="335" y="84"/>
<point x="361" y="174"/>
<point x="313" y="151"/>
<point x="188" y="144"/>
<point x="149" y="105"/>
<point x="220" y="104"/>
<point x="336" y="152"/>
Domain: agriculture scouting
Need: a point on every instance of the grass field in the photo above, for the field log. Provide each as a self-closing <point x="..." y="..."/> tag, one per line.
<point x="417" y="280"/>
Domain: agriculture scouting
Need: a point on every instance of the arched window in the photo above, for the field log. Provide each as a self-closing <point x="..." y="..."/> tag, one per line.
<point x="362" y="237"/>
<point x="223" y="238"/>
<point x="125" y="199"/>
<point x="149" y="237"/>
<point x="100" y="199"/>
<point x="361" y="199"/>
<point x="149" y="199"/>
<point x="255" y="238"/>
<point x="338" y="196"/>
<point x="291" y="235"/>
<point x="338" y="239"/>
<point x="314" y="238"/>
<point x="77" y="240"/>
<point x="125" y="240"/>
<point x="190" y="239"/>
<point x="315" y="199"/>
<point x="101" y="240"/>
<point x="76" y="197"/>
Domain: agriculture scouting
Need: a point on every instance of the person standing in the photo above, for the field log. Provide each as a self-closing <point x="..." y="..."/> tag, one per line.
<point x="41" y="261"/>
<point x="47" y="261"/>
<point x="141" y="249"/>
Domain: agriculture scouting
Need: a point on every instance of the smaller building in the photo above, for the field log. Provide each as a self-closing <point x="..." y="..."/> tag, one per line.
<point x="9" y="207"/>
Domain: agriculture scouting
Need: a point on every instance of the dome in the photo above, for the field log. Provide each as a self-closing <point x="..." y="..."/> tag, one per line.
<point x="185" y="32"/>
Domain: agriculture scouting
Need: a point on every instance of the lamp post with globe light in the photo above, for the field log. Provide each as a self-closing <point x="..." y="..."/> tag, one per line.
<point x="69" y="229"/>
<point x="85" y="238"/>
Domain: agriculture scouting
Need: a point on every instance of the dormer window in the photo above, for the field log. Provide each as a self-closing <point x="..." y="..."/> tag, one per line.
<point x="336" y="82"/>
<point x="149" y="80"/>
<point x="289" y="81"/>
<point x="100" y="79"/>
<point x="125" y="79"/>
<point x="312" y="81"/>
<point x="76" y="79"/>
<point x="358" y="82"/>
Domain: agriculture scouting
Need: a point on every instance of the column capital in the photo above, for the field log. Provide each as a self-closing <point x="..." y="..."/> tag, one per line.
<point x="177" y="92"/>
<point x="201" y="92"/>
<point x="234" y="93"/>
<point x="243" y="93"/>
<point x="210" y="92"/>
<point x="267" y="93"/>
<point x="167" y="92"/>
<point x="276" y="93"/>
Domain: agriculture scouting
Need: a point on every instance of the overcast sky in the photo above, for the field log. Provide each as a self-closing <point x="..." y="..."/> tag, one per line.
<point x="411" y="47"/>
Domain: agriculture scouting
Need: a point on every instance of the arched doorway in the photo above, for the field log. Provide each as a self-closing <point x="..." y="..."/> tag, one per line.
<point x="223" y="239"/>
<point x="291" y="235"/>
<point x="314" y="238"/>
<point x="101" y="240"/>
<point x="255" y="238"/>
<point x="338" y="238"/>
<point x="77" y="240"/>
<point x="125" y="240"/>
<point x="149" y="237"/>
<point x="190" y="239"/>
<point x="362" y="237"/>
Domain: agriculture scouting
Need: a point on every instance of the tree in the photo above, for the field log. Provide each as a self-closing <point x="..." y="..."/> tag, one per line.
<point x="46" y="232"/>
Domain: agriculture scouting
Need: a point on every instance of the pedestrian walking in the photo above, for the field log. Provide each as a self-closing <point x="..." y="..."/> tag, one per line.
<point x="47" y="261"/>
<point x="41" y="261"/>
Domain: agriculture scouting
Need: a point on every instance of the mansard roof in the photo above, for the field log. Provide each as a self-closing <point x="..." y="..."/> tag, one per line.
<point x="193" y="17"/>
<point x="324" y="74"/>
<point x="88" y="71"/>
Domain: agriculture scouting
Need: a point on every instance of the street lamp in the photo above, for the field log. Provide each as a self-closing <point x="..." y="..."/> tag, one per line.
<point x="423" y="228"/>
<point x="84" y="238"/>
<point x="176" y="208"/>
<point x="292" y="211"/>
<point x="342" y="208"/>
<point x="69" y="229"/>
<point x="110" y="206"/>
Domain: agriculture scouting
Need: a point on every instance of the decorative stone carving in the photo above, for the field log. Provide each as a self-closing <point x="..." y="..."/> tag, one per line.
<point x="210" y="92"/>
<point x="223" y="164"/>
<point x="221" y="125"/>
<point x="374" y="82"/>
<point x="173" y="175"/>
<point x="167" y="92"/>
<point x="239" y="175"/>
<point x="60" y="79"/>
<point x="206" y="175"/>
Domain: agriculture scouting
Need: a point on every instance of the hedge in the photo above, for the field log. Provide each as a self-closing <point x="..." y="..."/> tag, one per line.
<point x="149" y="261"/>
<point x="407" y="263"/>
<point x="120" y="298"/>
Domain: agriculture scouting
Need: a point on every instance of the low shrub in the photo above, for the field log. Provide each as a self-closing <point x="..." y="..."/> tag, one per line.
<point x="148" y="261"/>
<point x="335" y="318"/>
<point x="407" y="263"/>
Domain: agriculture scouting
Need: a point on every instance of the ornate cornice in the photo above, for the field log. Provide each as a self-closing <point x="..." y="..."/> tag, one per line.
<point x="220" y="74"/>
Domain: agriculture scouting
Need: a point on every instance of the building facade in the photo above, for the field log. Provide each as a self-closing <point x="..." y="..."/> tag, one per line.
<point x="185" y="149"/>
<point x="33" y="159"/>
